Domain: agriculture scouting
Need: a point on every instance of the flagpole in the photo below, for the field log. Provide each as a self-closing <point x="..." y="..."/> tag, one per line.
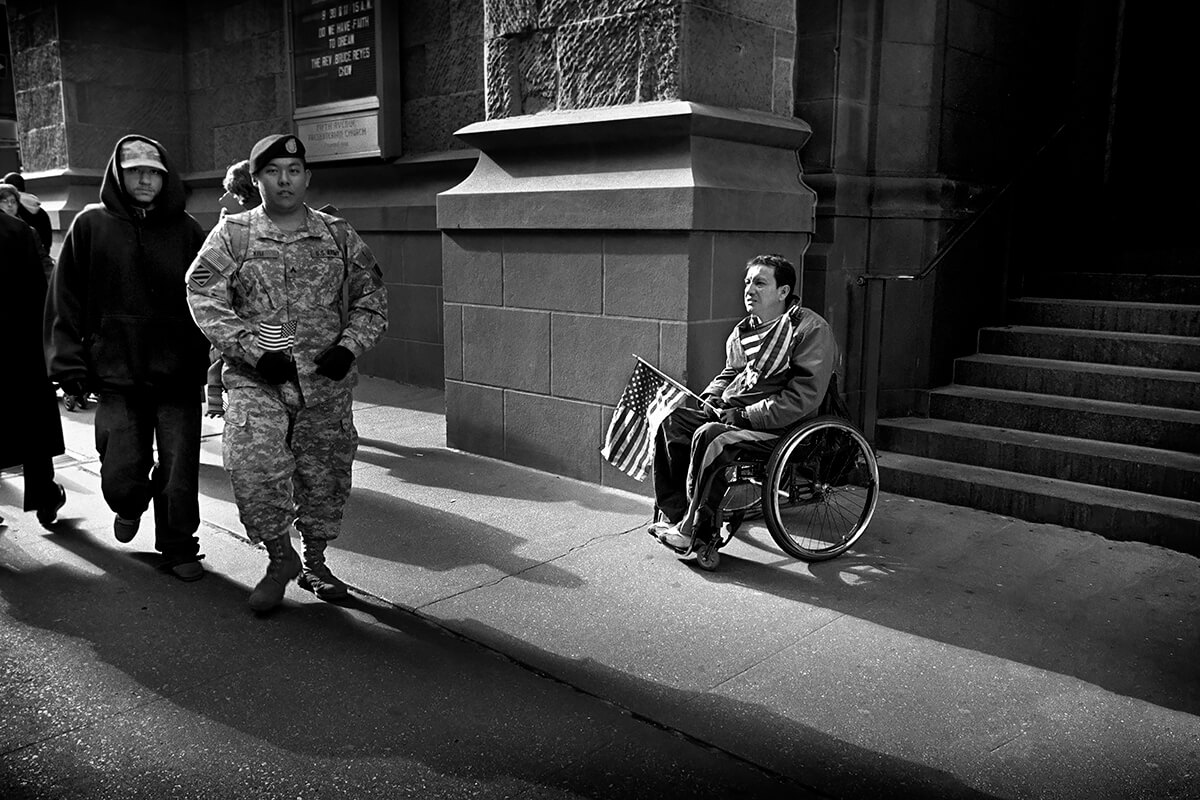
<point x="676" y="383"/>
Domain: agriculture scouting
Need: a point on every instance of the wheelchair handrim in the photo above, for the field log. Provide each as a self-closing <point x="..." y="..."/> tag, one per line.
<point x="823" y="506"/>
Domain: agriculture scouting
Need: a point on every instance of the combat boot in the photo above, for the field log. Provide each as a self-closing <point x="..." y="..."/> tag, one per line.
<point x="283" y="566"/>
<point x="316" y="576"/>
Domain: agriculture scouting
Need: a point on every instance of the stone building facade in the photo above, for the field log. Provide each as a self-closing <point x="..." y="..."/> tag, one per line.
<point x="581" y="180"/>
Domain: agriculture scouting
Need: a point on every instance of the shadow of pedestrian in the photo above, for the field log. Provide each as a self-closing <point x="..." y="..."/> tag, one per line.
<point x="360" y="701"/>
<point x="450" y="469"/>
<point x="404" y="532"/>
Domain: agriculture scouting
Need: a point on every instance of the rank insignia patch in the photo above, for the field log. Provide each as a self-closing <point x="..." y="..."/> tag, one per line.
<point x="201" y="275"/>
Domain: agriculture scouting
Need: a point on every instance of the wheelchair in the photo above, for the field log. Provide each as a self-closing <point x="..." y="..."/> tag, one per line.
<point x="816" y="492"/>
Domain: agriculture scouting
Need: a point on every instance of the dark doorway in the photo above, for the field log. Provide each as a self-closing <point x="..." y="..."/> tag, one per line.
<point x="1153" y="190"/>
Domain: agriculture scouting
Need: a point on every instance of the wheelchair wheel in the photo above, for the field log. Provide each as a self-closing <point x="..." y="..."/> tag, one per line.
<point x="821" y="488"/>
<point x="708" y="555"/>
<point x="743" y="497"/>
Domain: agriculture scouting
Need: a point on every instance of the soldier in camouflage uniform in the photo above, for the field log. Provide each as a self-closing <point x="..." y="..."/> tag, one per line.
<point x="290" y="296"/>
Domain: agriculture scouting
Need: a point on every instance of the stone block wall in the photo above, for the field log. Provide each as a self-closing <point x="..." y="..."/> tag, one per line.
<point x="411" y="350"/>
<point x="555" y="55"/>
<point x="37" y="72"/>
<point x="442" y="72"/>
<point x="88" y="74"/>
<point x="237" y="79"/>
<point x="583" y="238"/>
<point x="541" y="328"/>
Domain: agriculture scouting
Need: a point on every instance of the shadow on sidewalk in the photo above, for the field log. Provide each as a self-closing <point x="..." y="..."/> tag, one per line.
<point x="403" y="532"/>
<point x="450" y="469"/>
<point x="344" y="693"/>
<point x="1115" y="614"/>
<point x="827" y="764"/>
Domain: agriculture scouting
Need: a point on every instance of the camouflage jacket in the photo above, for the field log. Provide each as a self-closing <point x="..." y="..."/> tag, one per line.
<point x="284" y="291"/>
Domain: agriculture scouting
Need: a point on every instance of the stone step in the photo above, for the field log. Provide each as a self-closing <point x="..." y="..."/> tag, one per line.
<point x="1150" y="260"/>
<point x="1113" y="513"/>
<point x="1127" y="423"/>
<point x="1108" y="464"/>
<point x="1171" y="319"/>
<point x="1153" y="387"/>
<point x="1155" y="351"/>
<point x="1132" y="287"/>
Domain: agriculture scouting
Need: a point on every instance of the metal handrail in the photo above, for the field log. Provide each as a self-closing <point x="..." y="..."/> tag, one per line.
<point x="873" y="307"/>
<point x="960" y="233"/>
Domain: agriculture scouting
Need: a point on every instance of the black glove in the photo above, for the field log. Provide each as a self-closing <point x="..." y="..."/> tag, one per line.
<point x="735" y="417"/>
<point x="276" y="367"/>
<point x="334" y="363"/>
<point x="75" y="394"/>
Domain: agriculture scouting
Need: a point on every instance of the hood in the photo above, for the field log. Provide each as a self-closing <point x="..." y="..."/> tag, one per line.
<point x="171" y="200"/>
<point x="30" y="202"/>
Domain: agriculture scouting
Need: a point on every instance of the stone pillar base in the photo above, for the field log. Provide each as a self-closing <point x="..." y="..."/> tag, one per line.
<point x="584" y="237"/>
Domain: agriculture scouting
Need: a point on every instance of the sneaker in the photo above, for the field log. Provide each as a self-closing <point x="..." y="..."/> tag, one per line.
<point x="671" y="537"/>
<point x="187" y="570"/>
<point x="657" y="529"/>
<point x="49" y="515"/>
<point x="126" y="529"/>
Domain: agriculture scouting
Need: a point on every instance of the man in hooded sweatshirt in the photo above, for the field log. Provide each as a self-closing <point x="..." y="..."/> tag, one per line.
<point x="118" y="324"/>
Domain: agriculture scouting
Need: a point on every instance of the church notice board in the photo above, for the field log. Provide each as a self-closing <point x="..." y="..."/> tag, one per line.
<point x="346" y="78"/>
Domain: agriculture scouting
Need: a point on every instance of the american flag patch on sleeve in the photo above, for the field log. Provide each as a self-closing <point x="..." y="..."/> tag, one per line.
<point x="276" y="337"/>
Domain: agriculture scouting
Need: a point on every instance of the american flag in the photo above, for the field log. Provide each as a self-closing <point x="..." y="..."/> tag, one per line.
<point x="768" y="349"/>
<point x="276" y="337"/>
<point x="647" y="400"/>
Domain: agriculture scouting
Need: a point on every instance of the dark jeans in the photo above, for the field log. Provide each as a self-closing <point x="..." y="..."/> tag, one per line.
<point x="128" y="428"/>
<point x="689" y="443"/>
<point x="40" y="490"/>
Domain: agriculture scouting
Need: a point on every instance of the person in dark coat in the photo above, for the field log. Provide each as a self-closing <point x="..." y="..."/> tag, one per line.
<point x="31" y="211"/>
<point x="28" y="405"/>
<point x="117" y="323"/>
<point x="10" y="203"/>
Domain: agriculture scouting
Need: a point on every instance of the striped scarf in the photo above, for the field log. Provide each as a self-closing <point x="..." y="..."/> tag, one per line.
<point x="769" y="349"/>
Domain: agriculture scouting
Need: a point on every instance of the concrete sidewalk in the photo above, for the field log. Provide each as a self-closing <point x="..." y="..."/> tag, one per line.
<point x="951" y="653"/>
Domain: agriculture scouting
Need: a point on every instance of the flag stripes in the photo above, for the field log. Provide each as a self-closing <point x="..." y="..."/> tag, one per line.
<point x="647" y="400"/>
<point x="276" y="337"/>
<point x="768" y="350"/>
<point x="752" y="343"/>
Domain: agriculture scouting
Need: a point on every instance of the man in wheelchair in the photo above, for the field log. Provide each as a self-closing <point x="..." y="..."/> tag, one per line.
<point x="779" y="361"/>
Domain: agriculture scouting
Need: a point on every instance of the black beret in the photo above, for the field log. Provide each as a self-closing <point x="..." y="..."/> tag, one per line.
<point x="279" y="145"/>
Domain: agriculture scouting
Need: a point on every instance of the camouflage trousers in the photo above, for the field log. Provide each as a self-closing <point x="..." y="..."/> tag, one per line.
<point x="288" y="462"/>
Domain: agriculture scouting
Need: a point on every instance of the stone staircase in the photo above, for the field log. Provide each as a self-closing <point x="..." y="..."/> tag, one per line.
<point x="1084" y="412"/>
